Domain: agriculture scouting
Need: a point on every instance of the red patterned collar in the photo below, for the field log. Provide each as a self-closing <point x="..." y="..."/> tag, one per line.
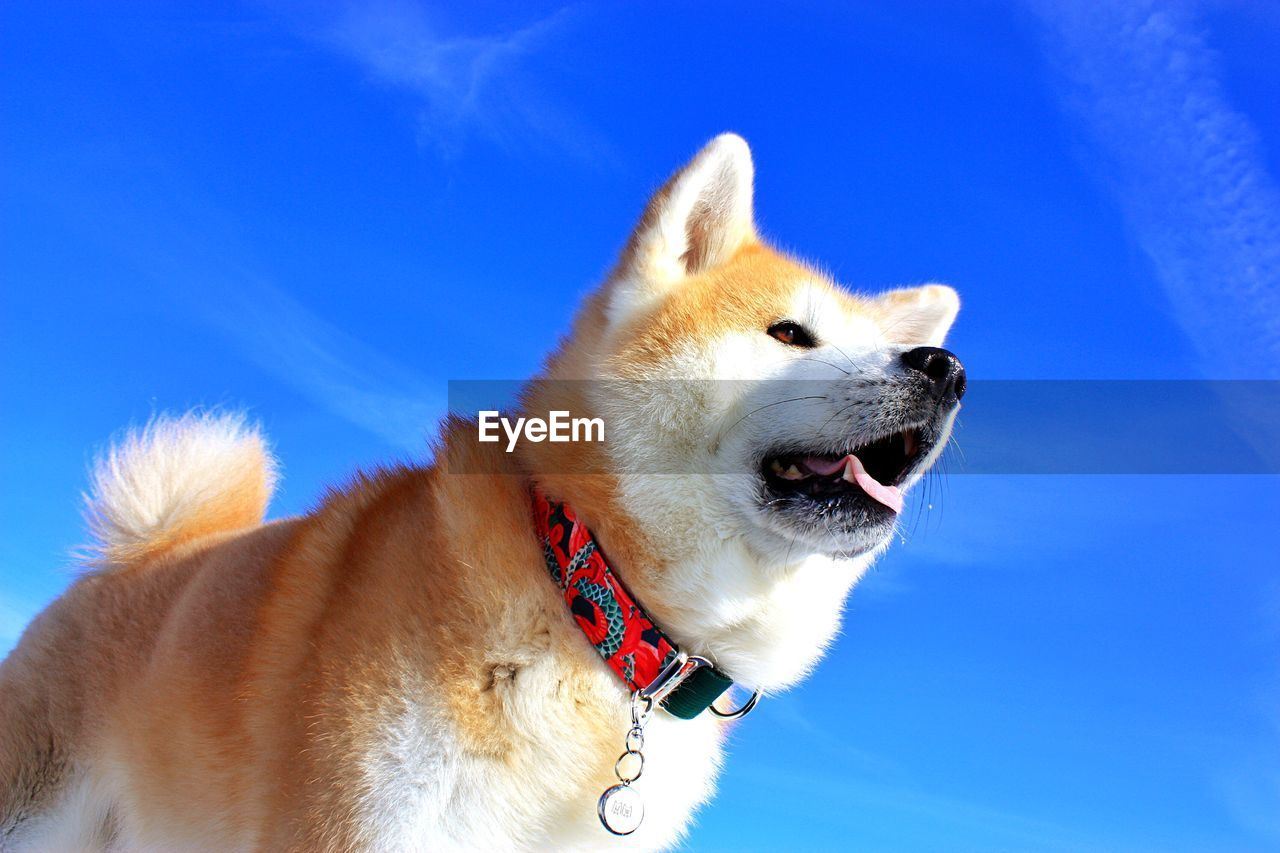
<point x="645" y="658"/>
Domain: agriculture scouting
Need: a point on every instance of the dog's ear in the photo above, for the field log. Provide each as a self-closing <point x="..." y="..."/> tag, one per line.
<point x="918" y="315"/>
<point x="699" y="219"/>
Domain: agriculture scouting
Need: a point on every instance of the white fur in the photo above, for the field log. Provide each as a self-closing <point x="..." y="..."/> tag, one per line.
<point x="75" y="822"/>
<point x="923" y="319"/>
<point x="161" y="477"/>
<point x="424" y="793"/>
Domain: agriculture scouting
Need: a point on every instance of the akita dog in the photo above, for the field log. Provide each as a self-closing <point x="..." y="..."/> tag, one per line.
<point x="456" y="655"/>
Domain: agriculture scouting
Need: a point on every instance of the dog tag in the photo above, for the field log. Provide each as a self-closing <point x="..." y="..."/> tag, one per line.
<point x="621" y="809"/>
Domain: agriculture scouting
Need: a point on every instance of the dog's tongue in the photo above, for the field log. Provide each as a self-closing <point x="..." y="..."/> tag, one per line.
<point x="890" y="496"/>
<point x="825" y="466"/>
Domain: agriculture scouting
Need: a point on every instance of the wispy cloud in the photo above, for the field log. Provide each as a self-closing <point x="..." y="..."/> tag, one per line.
<point x="1185" y="166"/>
<point x="919" y="816"/>
<point x="467" y="85"/>
<point x="186" y="252"/>
<point x="338" y="372"/>
<point x="873" y="784"/>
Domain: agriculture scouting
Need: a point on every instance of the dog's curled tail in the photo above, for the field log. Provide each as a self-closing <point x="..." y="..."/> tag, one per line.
<point x="175" y="480"/>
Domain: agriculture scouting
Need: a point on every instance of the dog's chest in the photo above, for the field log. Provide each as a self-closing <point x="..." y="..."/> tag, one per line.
<point x="426" y="791"/>
<point x="681" y="761"/>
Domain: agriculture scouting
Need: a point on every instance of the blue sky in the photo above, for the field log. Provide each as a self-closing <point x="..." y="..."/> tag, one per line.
<point x="324" y="212"/>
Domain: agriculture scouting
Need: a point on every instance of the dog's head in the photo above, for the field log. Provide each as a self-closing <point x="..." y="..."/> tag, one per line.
<point x="756" y="398"/>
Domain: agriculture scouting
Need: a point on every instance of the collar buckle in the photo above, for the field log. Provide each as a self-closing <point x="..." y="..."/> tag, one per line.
<point x="671" y="677"/>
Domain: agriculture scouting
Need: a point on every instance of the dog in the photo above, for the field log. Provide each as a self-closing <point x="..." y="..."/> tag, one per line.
<point x="487" y="651"/>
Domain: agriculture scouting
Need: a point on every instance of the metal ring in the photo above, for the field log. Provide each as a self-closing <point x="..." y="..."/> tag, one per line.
<point x="617" y="765"/>
<point x="740" y="712"/>
<point x="635" y="739"/>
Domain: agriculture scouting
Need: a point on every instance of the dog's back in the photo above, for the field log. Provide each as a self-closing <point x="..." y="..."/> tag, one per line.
<point x="161" y="499"/>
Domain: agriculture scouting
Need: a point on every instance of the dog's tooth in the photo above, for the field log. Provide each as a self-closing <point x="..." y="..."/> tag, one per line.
<point x="776" y="467"/>
<point x="793" y="473"/>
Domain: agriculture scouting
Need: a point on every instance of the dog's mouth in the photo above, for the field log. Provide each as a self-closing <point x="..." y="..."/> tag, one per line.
<point x="874" y="470"/>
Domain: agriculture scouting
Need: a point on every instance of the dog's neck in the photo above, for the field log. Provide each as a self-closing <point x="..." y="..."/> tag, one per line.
<point x="765" y="626"/>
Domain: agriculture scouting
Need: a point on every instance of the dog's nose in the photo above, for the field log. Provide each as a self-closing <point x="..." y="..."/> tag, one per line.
<point x="941" y="367"/>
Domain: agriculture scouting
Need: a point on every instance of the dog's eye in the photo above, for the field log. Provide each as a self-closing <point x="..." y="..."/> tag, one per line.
<point x="791" y="334"/>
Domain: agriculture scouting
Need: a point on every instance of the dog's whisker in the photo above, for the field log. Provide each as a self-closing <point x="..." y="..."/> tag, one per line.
<point x="827" y="363"/>
<point x="768" y="406"/>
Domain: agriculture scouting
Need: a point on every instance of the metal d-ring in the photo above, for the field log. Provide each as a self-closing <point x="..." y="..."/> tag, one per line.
<point x="740" y="712"/>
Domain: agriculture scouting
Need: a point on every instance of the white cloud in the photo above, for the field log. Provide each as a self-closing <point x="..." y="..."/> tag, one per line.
<point x="186" y="253"/>
<point x="466" y="84"/>
<point x="919" y="817"/>
<point x="1185" y="166"/>
<point x="328" y="366"/>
